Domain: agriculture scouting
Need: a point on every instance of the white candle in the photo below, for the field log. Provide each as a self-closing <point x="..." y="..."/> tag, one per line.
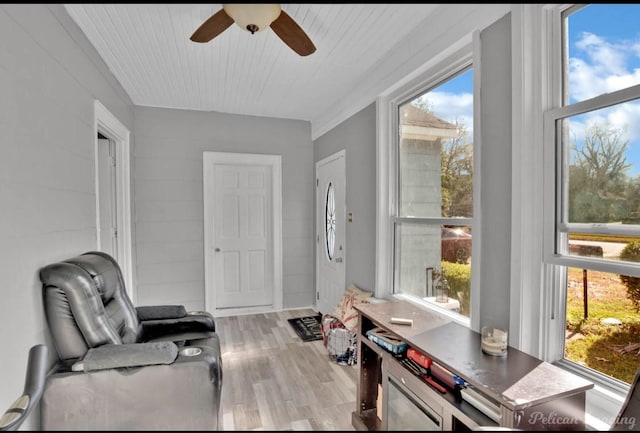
<point x="494" y="341"/>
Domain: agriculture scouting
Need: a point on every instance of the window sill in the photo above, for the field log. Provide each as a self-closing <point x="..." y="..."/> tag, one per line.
<point x="604" y="400"/>
<point x="464" y="321"/>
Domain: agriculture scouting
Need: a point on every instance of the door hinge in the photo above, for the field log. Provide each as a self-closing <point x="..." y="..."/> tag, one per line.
<point x="317" y="296"/>
<point x="317" y="182"/>
<point x="114" y="232"/>
<point x="318" y="239"/>
<point x="112" y="161"/>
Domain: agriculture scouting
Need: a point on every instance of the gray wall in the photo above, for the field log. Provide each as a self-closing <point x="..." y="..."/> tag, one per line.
<point x="49" y="78"/>
<point x="357" y="135"/>
<point x="168" y="195"/>
<point x="495" y="154"/>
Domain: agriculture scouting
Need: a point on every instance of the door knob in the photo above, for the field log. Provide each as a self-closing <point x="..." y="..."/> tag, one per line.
<point x="217" y="250"/>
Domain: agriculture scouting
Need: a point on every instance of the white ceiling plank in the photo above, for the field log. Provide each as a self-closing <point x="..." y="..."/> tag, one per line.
<point x="147" y="47"/>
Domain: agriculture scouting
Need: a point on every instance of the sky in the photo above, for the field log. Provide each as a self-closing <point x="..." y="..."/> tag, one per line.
<point x="604" y="56"/>
<point x="453" y="100"/>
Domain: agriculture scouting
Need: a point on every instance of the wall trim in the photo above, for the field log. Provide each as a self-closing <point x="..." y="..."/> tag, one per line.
<point x="107" y="124"/>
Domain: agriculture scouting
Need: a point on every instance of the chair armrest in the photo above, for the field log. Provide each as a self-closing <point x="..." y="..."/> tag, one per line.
<point x="159" y="312"/>
<point x="109" y="356"/>
<point x="154" y="329"/>
<point x="33" y="386"/>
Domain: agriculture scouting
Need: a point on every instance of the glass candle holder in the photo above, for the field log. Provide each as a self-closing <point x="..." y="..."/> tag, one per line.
<point x="494" y="341"/>
<point x="442" y="290"/>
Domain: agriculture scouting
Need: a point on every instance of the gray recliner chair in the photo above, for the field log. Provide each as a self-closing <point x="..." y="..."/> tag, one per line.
<point x="123" y="367"/>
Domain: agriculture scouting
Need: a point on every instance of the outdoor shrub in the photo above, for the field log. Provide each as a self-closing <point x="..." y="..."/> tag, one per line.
<point x="459" y="277"/>
<point x="631" y="253"/>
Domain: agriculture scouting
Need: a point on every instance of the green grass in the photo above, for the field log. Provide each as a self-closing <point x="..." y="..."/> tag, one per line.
<point x="597" y="350"/>
<point x="594" y="344"/>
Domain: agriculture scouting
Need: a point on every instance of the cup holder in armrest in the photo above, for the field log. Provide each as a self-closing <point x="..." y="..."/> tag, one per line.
<point x="15" y="412"/>
<point x="190" y="351"/>
<point x="197" y="313"/>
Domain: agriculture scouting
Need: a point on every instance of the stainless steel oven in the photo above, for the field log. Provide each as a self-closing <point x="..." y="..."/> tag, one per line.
<point x="406" y="411"/>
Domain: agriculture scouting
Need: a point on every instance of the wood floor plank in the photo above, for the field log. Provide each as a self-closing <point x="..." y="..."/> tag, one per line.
<point x="302" y="424"/>
<point x="266" y="412"/>
<point x="272" y="380"/>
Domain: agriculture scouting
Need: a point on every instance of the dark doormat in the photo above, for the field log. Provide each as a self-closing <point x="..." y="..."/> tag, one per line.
<point x="307" y="327"/>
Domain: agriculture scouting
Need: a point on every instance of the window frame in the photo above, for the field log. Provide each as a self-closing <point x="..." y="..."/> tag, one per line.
<point x="453" y="62"/>
<point x="555" y="262"/>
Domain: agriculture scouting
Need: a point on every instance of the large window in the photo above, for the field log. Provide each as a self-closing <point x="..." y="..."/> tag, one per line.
<point x="594" y="247"/>
<point x="432" y="189"/>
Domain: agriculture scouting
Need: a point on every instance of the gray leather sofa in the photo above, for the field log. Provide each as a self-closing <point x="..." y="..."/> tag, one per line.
<point x="123" y="367"/>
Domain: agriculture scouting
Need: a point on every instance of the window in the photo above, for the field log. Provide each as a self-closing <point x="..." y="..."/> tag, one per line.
<point x="330" y="223"/>
<point x="593" y="244"/>
<point x="429" y="157"/>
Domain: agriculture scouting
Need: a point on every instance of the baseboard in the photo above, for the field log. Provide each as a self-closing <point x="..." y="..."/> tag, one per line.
<point x="256" y="310"/>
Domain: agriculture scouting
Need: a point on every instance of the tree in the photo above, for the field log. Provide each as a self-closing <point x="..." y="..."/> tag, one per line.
<point x="456" y="161"/>
<point x="598" y="175"/>
<point x="631" y="253"/>
<point x="632" y="197"/>
<point x="423" y="104"/>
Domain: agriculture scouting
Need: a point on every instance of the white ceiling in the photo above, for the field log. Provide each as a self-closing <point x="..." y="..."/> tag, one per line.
<point x="147" y="48"/>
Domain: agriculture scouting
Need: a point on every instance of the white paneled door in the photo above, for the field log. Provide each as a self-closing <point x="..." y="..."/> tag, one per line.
<point x="242" y="214"/>
<point x="330" y="235"/>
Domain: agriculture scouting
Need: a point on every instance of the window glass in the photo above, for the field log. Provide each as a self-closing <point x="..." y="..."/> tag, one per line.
<point x="436" y="151"/>
<point x="602" y="322"/>
<point x="603" y="50"/>
<point x="330" y="222"/>
<point x="604" y="165"/>
<point x="598" y="214"/>
<point x="433" y="232"/>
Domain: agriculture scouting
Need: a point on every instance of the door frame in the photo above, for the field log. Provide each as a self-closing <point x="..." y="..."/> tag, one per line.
<point x="319" y="228"/>
<point x="109" y="126"/>
<point x="275" y="162"/>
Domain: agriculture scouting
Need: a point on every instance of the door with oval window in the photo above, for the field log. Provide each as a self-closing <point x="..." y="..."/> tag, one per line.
<point x="330" y="232"/>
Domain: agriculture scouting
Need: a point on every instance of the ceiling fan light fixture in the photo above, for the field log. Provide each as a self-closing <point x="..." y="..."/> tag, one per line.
<point x="252" y="17"/>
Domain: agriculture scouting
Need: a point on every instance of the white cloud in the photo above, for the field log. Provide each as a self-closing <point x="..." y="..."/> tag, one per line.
<point x="608" y="57"/>
<point x="453" y="106"/>
<point x="625" y="117"/>
<point x="597" y="66"/>
<point x="620" y="117"/>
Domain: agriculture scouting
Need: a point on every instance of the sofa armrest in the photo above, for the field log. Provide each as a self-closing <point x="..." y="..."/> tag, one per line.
<point x="110" y="356"/>
<point x="159" y="312"/>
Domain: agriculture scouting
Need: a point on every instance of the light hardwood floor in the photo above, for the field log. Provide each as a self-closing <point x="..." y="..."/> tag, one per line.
<point x="272" y="380"/>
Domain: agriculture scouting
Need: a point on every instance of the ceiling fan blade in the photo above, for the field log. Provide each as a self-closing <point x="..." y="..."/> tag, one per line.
<point x="212" y="27"/>
<point x="292" y="34"/>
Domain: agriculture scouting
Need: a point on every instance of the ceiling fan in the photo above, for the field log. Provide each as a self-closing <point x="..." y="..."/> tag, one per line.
<point x="254" y="18"/>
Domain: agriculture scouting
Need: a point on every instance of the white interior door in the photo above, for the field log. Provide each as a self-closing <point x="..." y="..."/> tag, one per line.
<point x="242" y="214"/>
<point x="107" y="199"/>
<point x="330" y="236"/>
